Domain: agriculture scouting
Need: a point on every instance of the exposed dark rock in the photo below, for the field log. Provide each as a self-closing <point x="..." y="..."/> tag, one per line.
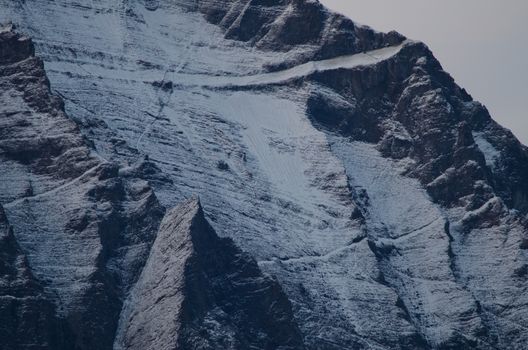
<point x="14" y="47"/>
<point x="27" y="316"/>
<point x="222" y="165"/>
<point x="285" y="24"/>
<point x="199" y="291"/>
<point x="85" y="229"/>
<point x="411" y="107"/>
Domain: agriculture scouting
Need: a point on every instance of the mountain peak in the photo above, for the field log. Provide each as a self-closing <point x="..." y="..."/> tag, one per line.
<point x="200" y="291"/>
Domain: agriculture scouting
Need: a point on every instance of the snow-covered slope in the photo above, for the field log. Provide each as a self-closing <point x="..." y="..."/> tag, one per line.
<point x="388" y="205"/>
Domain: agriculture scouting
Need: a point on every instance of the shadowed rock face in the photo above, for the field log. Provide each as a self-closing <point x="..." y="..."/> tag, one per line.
<point x="387" y="204"/>
<point x="412" y="108"/>
<point x="14" y="47"/>
<point x="27" y="315"/>
<point x="198" y="291"/>
<point x="412" y="112"/>
<point x="35" y="134"/>
<point x="85" y="229"/>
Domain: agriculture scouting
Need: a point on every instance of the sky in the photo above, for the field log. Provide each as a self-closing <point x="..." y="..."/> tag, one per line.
<point x="483" y="44"/>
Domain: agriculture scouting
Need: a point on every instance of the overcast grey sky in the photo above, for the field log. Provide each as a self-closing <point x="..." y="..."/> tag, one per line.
<point x="482" y="43"/>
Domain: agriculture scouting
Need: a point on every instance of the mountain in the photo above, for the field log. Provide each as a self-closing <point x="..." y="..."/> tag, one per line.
<point x="352" y="196"/>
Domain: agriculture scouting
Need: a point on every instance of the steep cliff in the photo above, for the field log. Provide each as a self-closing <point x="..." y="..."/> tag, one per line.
<point x="85" y="229"/>
<point x="27" y="316"/>
<point x="198" y="291"/>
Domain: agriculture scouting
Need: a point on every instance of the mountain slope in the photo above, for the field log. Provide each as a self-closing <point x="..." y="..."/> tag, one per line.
<point x="345" y="161"/>
<point x="85" y="229"/>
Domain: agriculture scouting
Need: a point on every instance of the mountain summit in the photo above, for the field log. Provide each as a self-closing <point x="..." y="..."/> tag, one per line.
<point x="352" y="196"/>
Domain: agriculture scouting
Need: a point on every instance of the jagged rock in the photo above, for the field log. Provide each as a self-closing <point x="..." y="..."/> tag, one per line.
<point x="27" y="316"/>
<point x="35" y="134"/>
<point x="14" y="47"/>
<point x="411" y="93"/>
<point x="199" y="291"/>
<point x="286" y="24"/>
<point x="86" y="230"/>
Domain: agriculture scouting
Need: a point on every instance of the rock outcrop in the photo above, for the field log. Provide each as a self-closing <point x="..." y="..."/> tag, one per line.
<point x="198" y="291"/>
<point x="284" y="25"/>
<point x="85" y="229"/>
<point x="27" y="315"/>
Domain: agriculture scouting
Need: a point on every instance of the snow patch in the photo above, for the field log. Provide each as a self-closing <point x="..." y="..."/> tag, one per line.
<point x="397" y="202"/>
<point x="491" y="154"/>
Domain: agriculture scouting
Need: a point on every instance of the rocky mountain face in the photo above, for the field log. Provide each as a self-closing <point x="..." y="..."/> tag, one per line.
<point x="199" y="291"/>
<point x="354" y="197"/>
<point x="80" y="231"/>
<point x="28" y="316"/>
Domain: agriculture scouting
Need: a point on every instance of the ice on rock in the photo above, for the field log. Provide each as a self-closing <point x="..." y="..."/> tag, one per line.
<point x="491" y="154"/>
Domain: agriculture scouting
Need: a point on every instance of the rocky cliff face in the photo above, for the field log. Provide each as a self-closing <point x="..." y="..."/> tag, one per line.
<point x="28" y="317"/>
<point x="388" y="206"/>
<point x="85" y="228"/>
<point x="198" y="291"/>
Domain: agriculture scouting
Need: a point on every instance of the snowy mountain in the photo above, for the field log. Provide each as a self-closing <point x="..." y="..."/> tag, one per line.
<point x="352" y="196"/>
